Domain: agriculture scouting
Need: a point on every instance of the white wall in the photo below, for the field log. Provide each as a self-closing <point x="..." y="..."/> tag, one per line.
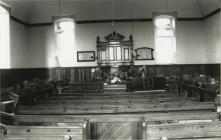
<point x="190" y="42"/>
<point x="19" y="45"/>
<point x="197" y="42"/>
<point x="212" y="28"/>
<point x="42" y="41"/>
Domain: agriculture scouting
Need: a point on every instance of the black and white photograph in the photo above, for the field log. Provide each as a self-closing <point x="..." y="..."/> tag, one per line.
<point x="110" y="69"/>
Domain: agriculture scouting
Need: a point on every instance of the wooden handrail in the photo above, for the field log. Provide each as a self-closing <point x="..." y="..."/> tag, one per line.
<point x="200" y="88"/>
<point x="7" y="114"/>
<point x="8" y="102"/>
<point x="13" y="94"/>
<point x="2" y="126"/>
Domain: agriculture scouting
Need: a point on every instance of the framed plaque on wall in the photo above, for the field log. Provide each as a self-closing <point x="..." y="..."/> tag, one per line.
<point x="85" y="56"/>
<point x="144" y="53"/>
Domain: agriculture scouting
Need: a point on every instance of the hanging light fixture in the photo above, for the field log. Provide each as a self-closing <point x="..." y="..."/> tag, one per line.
<point x="59" y="11"/>
<point x="112" y="16"/>
<point x="58" y="28"/>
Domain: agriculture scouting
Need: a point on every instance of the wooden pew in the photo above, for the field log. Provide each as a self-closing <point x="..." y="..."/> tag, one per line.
<point x="123" y="121"/>
<point x="207" y="130"/>
<point x="9" y="104"/>
<point x="43" y="132"/>
<point x="129" y="123"/>
<point x="116" y="102"/>
<point x="150" y="117"/>
<point x="117" y="109"/>
<point x="84" y="87"/>
<point x="2" y="131"/>
<point x="153" y="83"/>
<point x="104" y="104"/>
<point x="207" y="93"/>
<point x="132" y="98"/>
<point x="114" y="96"/>
<point x="78" y="131"/>
<point x="152" y="93"/>
<point x="111" y="101"/>
<point x="30" y="96"/>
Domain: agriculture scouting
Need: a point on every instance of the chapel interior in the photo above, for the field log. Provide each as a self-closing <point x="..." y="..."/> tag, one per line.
<point x="110" y="69"/>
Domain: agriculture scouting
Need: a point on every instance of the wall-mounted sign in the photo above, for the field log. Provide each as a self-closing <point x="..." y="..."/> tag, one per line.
<point x="144" y="53"/>
<point x="85" y="56"/>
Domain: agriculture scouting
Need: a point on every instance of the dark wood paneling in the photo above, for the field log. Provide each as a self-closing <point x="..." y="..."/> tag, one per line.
<point x="74" y="74"/>
<point x="13" y="76"/>
<point x="83" y="74"/>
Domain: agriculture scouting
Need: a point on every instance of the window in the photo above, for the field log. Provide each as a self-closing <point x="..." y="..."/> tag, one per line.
<point x="4" y="38"/>
<point x="65" y="39"/>
<point x="165" y="40"/>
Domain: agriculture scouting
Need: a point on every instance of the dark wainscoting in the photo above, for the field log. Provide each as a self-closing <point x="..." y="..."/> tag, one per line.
<point x="178" y="70"/>
<point x="73" y="74"/>
<point x="10" y="77"/>
<point x="84" y="74"/>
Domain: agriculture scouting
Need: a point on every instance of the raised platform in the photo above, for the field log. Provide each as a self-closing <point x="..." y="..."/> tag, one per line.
<point x="111" y="87"/>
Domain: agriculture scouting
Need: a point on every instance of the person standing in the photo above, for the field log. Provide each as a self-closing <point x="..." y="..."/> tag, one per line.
<point x="143" y="76"/>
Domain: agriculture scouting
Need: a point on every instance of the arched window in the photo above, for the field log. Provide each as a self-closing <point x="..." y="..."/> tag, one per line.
<point x="165" y="39"/>
<point x="65" y="39"/>
<point x="4" y="38"/>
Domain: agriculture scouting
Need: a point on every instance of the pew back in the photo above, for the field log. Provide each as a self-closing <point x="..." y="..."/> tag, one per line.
<point x="150" y="117"/>
<point x="76" y="131"/>
<point x="209" y="130"/>
<point x="85" y="87"/>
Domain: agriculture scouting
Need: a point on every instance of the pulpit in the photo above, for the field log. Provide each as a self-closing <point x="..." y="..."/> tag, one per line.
<point x="115" y="56"/>
<point x="115" y="51"/>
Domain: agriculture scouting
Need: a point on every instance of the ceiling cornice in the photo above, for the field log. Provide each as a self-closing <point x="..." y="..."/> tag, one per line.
<point x="116" y="20"/>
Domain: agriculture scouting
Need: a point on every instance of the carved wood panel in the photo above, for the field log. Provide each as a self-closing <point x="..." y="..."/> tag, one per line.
<point x="111" y="131"/>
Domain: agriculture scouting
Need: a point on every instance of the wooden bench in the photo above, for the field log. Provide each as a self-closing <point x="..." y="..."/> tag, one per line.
<point x="106" y="104"/>
<point x="130" y="123"/>
<point x="75" y="131"/>
<point x="132" y="98"/>
<point x="2" y="131"/>
<point x="203" y="130"/>
<point x="29" y="96"/>
<point x="157" y="83"/>
<point x="9" y="103"/>
<point x="135" y="84"/>
<point x="150" y="117"/>
<point x="84" y="87"/>
<point x="116" y="108"/>
<point x="203" y="94"/>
